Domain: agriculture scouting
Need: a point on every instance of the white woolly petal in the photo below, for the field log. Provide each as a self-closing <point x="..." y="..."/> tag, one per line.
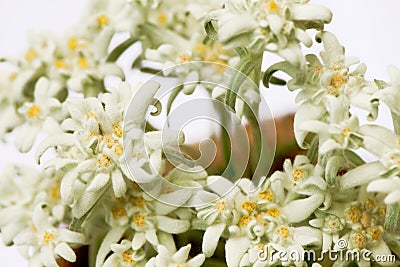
<point x="211" y="237"/>
<point x="65" y="252"/>
<point x="235" y="249"/>
<point x="172" y="226"/>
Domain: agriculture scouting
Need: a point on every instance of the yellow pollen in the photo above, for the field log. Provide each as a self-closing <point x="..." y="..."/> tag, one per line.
<point x="266" y="195"/>
<point x="354" y="214"/>
<point x="220" y="205"/>
<point x="138" y="201"/>
<point x="118" y="130"/>
<point x="139" y="220"/>
<point x="31" y="55"/>
<point x="91" y="115"/>
<point x="244" y="220"/>
<point x="59" y="63"/>
<point x="118" y="150"/>
<point x="273" y="6"/>
<point x="365" y="219"/>
<point x="184" y="58"/>
<point x="298" y="174"/>
<point x="359" y="239"/>
<point x="102" y="20"/>
<point x="83" y="63"/>
<point x="118" y="212"/>
<point x="103" y="160"/>
<point x="13" y="76"/>
<point x="108" y="140"/>
<point x="33" y="111"/>
<point x="375" y="233"/>
<point x="127" y="256"/>
<point x="260" y="246"/>
<point x="48" y="237"/>
<point x="199" y="48"/>
<point x="73" y="43"/>
<point x="369" y="203"/>
<point x="283" y="231"/>
<point x="345" y="132"/>
<point x="249" y="206"/>
<point x="162" y="18"/>
<point x="337" y="81"/>
<point x="55" y="191"/>
<point x="274" y="212"/>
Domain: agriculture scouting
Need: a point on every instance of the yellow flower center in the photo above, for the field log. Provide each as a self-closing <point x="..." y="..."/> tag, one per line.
<point x="272" y="6"/>
<point x="33" y="111"/>
<point x="13" y="76"/>
<point x="118" y="150"/>
<point x="138" y="201"/>
<point x="283" y="231"/>
<point x="59" y="63"/>
<point x="184" y="58"/>
<point x="118" y="212"/>
<point x="375" y="233"/>
<point x="346" y="132"/>
<point x="274" y="212"/>
<point x="48" y="237"/>
<point x="337" y="82"/>
<point x="162" y="18"/>
<point x="118" y="130"/>
<point x="108" y="140"/>
<point x="139" y="220"/>
<point x="83" y="63"/>
<point x="369" y="203"/>
<point x="266" y="195"/>
<point x="220" y="205"/>
<point x="73" y="43"/>
<point x="91" y="115"/>
<point x="354" y="214"/>
<point x="55" y="191"/>
<point x="249" y="206"/>
<point x="359" y="239"/>
<point x="31" y="55"/>
<point x="103" y="160"/>
<point x="102" y="20"/>
<point x="298" y="174"/>
<point x="244" y="220"/>
<point x="127" y="256"/>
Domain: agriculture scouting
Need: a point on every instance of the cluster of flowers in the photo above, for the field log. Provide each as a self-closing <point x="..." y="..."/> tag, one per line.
<point x="91" y="193"/>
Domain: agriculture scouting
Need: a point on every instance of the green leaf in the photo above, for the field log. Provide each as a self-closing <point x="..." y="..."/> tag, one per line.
<point x="209" y="28"/>
<point x="175" y="92"/>
<point x="246" y="65"/>
<point x="381" y="84"/>
<point x="392" y="221"/>
<point x="396" y="122"/>
<point x="286" y="67"/>
<point x="120" y="49"/>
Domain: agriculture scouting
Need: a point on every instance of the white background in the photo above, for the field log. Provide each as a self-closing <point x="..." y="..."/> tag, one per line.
<point x="368" y="29"/>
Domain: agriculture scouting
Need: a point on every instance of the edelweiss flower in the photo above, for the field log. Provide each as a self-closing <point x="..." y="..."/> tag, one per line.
<point x="45" y="112"/>
<point x="124" y="256"/>
<point x="338" y="130"/>
<point x="97" y="136"/>
<point x="255" y="218"/>
<point x="180" y="258"/>
<point x="48" y="241"/>
<point x="334" y="77"/>
<point x="18" y="188"/>
<point x="276" y="26"/>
